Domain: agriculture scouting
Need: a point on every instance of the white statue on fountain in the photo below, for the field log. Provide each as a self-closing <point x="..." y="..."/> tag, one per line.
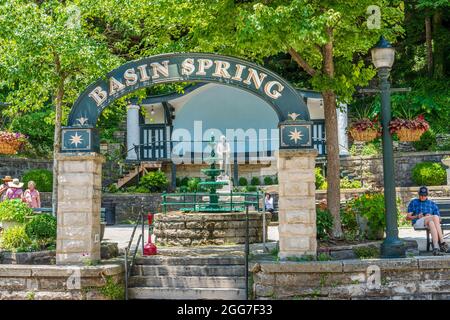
<point x="223" y="154"/>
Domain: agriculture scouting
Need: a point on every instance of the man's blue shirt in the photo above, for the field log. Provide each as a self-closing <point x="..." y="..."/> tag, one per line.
<point x="426" y="207"/>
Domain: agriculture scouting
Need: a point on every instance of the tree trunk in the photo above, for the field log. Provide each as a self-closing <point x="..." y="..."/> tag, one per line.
<point x="332" y="143"/>
<point x="439" y="43"/>
<point x="57" y="136"/>
<point x="429" y="45"/>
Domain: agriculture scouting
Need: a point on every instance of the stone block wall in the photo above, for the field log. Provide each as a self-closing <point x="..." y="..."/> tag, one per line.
<point x="42" y="282"/>
<point x="184" y="229"/>
<point x="16" y="167"/>
<point x="423" y="278"/>
<point x="369" y="169"/>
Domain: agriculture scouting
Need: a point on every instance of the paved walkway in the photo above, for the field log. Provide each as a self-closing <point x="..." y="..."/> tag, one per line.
<point x="121" y="234"/>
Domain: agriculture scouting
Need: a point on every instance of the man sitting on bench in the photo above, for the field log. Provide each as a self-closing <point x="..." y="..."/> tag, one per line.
<point x="424" y="213"/>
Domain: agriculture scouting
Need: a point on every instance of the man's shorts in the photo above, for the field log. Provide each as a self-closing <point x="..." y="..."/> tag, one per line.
<point x="420" y="223"/>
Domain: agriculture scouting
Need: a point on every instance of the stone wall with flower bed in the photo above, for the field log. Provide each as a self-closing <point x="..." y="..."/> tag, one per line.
<point x="369" y="169"/>
<point x="424" y="278"/>
<point x="42" y="282"/>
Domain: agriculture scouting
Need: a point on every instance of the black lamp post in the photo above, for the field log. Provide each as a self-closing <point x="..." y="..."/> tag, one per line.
<point x="383" y="58"/>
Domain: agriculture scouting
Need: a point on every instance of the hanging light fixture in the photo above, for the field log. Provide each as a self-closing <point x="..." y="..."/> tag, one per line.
<point x="153" y="110"/>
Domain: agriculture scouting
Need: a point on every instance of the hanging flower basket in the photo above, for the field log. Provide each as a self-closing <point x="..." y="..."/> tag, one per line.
<point x="364" y="135"/>
<point x="409" y="130"/>
<point x="365" y="130"/>
<point x="409" y="135"/>
<point x="11" y="142"/>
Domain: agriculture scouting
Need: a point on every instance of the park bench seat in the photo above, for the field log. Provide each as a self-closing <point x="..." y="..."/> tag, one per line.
<point x="444" y="208"/>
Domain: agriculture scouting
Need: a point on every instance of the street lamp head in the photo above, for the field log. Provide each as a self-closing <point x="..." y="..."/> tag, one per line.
<point x="383" y="54"/>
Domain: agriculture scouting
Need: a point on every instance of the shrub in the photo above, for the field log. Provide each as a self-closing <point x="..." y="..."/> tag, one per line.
<point x="320" y="179"/>
<point x="14" y="210"/>
<point x="251" y="188"/>
<point x="268" y="181"/>
<point x="427" y="142"/>
<point x="41" y="227"/>
<point x="192" y="185"/>
<point x="42" y="177"/>
<point x="243" y="181"/>
<point x="275" y="180"/>
<point x="369" y="149"/>
<point x="324" y="221"/>
<point x="370" y="206"/>
<point x="367" y="252"/>
<point x="15" y="239"/>
<point x="155" y="181"/>
<point x="346" y="183"/>
<point x="429" y="174"/>
<point x="184" y="182"/>
<point x="137" y="189"/>
<point x="255" y="181"/>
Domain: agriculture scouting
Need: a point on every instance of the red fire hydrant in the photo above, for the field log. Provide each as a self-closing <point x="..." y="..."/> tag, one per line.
<point x="149" y="247"/>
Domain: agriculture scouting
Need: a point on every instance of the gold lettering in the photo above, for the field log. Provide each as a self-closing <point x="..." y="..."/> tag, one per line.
<point x="99" y="95"/>
<point x="203" y="64"/>
<point x="130" y="77"/>
<point x="187" y="67"/>
<point x="158" y="68"/>
<point x="238" y="74"/>
<point x="143" y="71"/>
<point x="253" y="75"/>
<point x="115" y="85"/>
<point x="275" y="94"/>
<point x="221" y="69"/>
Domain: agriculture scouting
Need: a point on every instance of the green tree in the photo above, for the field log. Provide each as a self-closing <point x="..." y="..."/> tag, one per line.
<point x="47" y="53"/>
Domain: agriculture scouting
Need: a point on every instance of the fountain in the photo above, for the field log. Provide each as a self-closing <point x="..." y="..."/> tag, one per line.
<point x="214" y="216"/>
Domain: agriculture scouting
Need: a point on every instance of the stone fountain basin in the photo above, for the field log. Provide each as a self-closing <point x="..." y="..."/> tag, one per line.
<point x="178" y="228"/>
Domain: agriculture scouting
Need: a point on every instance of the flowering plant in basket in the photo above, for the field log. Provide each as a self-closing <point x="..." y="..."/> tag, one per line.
<point x="11" y="142"/>
<point x="409" y="128"/>
<point x="365" y="125"/>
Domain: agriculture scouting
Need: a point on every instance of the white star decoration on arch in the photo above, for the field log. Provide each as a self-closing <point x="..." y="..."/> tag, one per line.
<point x="76" y="139"/>
<point x="295" y="135"/>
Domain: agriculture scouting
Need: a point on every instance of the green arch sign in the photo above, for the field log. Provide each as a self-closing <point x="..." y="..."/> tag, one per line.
<point x="80" y="135"/>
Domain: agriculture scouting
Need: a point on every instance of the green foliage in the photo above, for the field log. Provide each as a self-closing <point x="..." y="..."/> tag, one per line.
<point x="369" y="149"/>
<point x="14" y="210"/>
<point x="42" y="177"/>
<point x="324" y="222"/>
<point x="112" y="188"/>
<point x="15" y="239"/>
<point x="371" y="207"/>
<point x="155" y="181"/>
<point x="320" y="179"/>
<point x="113" y="290"/>
<point x="251" y="188"/>
<point x="427" y="141"/>
<point x="243" y="181"/>
<point x="137" y="189"/>
<point x="368" y="252"/>
<point x="184" y="181"/>
<point x="349" y="224"/>
<point x="323" y="256"/>
<point x="429" y="174"/>
<point x="192" y="185"/>
<point x="255" y="181"/>
<point x="42" y="228"/>
<point x="346" y="183"/>
<point x="37" y="126"/>
<point x="268" y="181"/>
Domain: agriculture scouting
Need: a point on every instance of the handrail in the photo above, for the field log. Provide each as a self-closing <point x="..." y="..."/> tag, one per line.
<point x="140" y="241"/>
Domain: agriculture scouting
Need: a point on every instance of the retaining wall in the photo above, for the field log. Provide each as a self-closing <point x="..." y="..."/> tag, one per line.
<point x="421" y="278"/>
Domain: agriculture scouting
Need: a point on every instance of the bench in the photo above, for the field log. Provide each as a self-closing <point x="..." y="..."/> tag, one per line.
<point x="444" y="208"/>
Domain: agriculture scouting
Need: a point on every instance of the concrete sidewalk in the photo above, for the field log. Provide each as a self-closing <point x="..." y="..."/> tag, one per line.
<point x="122" y="233"/>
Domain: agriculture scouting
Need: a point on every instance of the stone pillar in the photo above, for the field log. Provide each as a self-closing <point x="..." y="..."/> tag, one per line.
<point x="133" y="134"/>
<point x="79" y="204"/>
<point x="297" y="203"/>
<point x="342" y="129"/>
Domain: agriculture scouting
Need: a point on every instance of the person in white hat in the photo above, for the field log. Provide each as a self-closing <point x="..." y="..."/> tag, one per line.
<point x="15" y="189"/>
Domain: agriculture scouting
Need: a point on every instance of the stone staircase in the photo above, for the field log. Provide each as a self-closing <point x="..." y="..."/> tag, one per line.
<point x="132" y="170"/>
<point x="209" y="276"/>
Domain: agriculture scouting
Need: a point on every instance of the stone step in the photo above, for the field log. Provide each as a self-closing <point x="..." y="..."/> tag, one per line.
<point x="184" y="293"/>
<point x="225" y="270"/>
<point x="201" y="260"/>
<point x="187" y="282"/>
